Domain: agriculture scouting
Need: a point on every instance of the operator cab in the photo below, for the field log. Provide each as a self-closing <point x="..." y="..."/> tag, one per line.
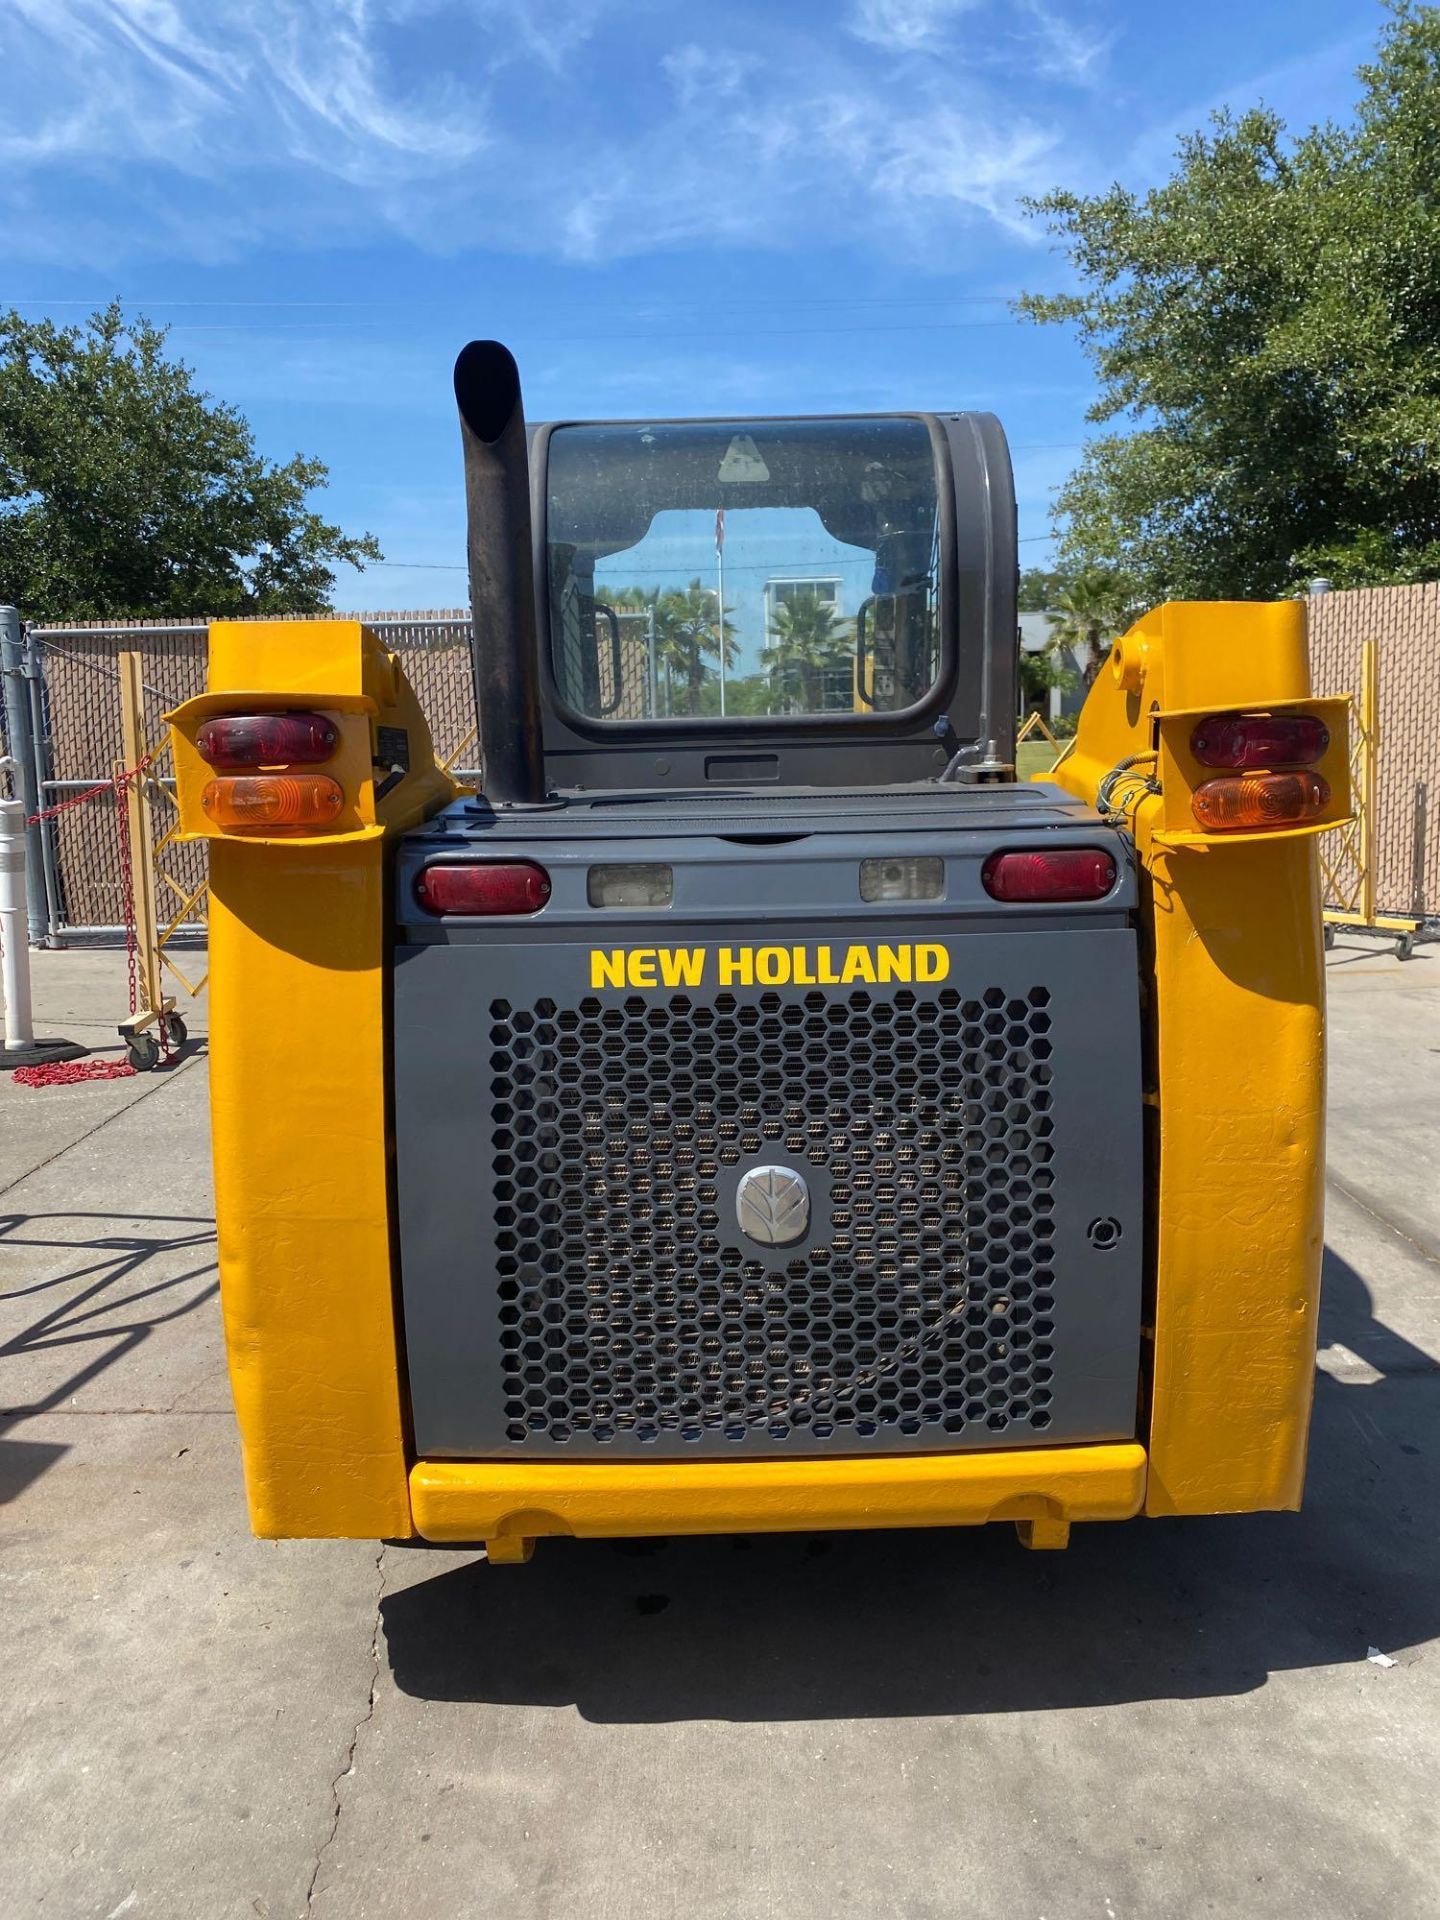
<point x="811" y="602"/>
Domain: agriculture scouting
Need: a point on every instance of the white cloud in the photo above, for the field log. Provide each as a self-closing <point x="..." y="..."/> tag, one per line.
<point x="698" y="73"/>
<point x="1066" y="49"/>
<point x="159" y="127"/>
<point x="907" y="26"/>
<point x="244" y="81"/>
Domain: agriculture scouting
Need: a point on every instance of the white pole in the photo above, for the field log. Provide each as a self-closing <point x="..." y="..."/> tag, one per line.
<point x="14" y="944"/>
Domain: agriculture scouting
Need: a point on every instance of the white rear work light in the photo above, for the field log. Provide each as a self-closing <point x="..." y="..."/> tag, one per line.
<point x="630" y="883"/>
<point x="918" y="876"/>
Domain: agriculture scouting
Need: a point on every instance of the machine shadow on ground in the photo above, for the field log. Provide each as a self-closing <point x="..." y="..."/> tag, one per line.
<point x="965" y="1621"/>
<point x="107" y="1294"/>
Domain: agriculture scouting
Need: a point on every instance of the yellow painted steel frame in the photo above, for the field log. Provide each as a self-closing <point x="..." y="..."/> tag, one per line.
<point x="1235" y="1037"/>
<point x="298" y="957"/>
<point x="303" y="1172"/>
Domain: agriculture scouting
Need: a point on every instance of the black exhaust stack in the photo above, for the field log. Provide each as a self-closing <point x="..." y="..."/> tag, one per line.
<point x="502" y="583"/>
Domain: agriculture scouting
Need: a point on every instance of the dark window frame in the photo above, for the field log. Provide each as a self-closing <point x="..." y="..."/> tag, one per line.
<point x="697" y="728"/>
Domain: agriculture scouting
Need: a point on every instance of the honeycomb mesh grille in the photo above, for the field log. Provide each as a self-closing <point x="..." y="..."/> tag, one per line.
<point x="632" y="1310"/>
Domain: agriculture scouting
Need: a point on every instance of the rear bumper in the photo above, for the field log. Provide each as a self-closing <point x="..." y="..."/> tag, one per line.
<point x="455" y="1501"/>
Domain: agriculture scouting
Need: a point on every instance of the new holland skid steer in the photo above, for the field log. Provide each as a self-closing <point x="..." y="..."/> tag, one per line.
<point x="754" y="1109"/>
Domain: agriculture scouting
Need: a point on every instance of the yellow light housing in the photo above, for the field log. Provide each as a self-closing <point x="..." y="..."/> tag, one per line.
<point x="1259" y="800"/>
<point x="273" y="802"/>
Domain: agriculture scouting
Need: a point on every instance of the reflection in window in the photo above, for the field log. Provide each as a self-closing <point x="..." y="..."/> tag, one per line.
<point x="787" y="568"/>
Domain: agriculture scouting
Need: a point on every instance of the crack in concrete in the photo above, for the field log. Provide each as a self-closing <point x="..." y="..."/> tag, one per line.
<point x="1420" y="1246"/>
<point x="337" y="1806"/>
<point x="113" y="1413"/>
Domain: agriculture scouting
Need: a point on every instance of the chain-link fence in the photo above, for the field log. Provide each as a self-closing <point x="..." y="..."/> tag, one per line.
<point x="80" y="742"/>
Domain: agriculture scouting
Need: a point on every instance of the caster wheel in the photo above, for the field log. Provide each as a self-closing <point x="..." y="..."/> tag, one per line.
<point x="176" y="1033"/>
<point x="1405" y="947"/>
<point x="143" y="1052"/>
<point x="1329" y="938"/>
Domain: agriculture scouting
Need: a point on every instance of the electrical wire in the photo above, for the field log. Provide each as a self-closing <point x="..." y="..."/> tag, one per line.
<point x="1124" y="774"/>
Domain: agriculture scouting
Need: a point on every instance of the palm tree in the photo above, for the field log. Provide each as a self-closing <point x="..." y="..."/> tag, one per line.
<point x="686" y="632"/>
<point x="1097" y="605"/>
<point x="807" y="641"/>
<point x="685" y="638"/>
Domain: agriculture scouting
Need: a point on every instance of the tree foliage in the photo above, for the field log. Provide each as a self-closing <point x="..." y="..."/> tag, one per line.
<point x="807" y="642"/>
<point x="125" y="491"/>
<point x="1039" y="673"/>
<point x="1269" y="320"/>
<point x="1039" y="587"/>
<point x="1095" y="605"/>
<point x="686" y="639"/>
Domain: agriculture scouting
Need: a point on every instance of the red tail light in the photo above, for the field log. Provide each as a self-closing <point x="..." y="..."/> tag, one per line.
<point x="1241" y="741"/>
<point x="494" y="886"/>
<point x="1066" y="873"/>
<point x="1260" y="800"/>
<point x="234" y="741"/>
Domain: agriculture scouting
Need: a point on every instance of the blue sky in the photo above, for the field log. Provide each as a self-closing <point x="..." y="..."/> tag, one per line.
<point x="663" y="208"/>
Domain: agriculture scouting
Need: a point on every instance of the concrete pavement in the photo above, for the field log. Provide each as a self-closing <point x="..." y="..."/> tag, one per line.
<point x="1170" y="1719"/>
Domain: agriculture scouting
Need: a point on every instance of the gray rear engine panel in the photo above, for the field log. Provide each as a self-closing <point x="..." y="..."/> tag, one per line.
<point x="577" y="1283"/>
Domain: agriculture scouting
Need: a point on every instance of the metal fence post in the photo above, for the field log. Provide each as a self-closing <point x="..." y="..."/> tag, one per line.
<point x="1369" y="772"/>
<point x="20" y="1047"/>
<point x="21" y="739"/>
<point x="44" y="768"/>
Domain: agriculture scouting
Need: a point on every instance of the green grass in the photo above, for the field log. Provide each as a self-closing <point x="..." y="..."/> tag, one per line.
<point x="1034" y="756"/>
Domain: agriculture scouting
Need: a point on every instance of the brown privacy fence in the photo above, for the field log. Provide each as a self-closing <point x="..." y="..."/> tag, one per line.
<point x="1404" y="623"/>
<point x="76" y="666"/>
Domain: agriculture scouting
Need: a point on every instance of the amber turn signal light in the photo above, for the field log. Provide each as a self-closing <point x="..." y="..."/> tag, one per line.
<point x="1258" y="800"/>
<point x="230" y="742"/>
<point x="273" y="802"/>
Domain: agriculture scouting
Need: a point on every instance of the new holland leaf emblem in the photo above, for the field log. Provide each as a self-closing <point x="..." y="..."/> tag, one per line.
<point x="773" y="1205"/>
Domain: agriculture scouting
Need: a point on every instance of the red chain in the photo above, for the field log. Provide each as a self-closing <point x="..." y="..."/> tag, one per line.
<point x="115" y="784"/>
<point x="62" y="1073"/>
<point x="127" y="886"/>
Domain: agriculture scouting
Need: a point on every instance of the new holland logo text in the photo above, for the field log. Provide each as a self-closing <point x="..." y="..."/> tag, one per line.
<point x="766" y="966"/>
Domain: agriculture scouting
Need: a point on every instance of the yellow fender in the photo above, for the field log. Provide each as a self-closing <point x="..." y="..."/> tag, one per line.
<point x="298" y="1105"/>
<point x="1235" y="1025"/>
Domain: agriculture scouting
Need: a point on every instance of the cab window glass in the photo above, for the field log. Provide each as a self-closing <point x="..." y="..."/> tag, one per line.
<point x="761" y="567"/>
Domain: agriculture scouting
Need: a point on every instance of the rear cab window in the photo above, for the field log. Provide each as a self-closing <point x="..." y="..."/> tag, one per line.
<point x="736" y="570"/>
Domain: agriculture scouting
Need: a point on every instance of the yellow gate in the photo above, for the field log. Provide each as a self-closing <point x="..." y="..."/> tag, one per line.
<point x="159" y="904"/>
<point x="1347" y="856"/>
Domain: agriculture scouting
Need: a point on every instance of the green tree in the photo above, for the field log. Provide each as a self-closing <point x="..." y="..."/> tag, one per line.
<point x="1268" y="319"/>
<point x="750" y="693"/>
<point x="807" y="641"/>
<point x="1094" y="606"/>
<point x="1039" y="587"/>
<point x="126" y="491"/>
<point x="686" y="637"/>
